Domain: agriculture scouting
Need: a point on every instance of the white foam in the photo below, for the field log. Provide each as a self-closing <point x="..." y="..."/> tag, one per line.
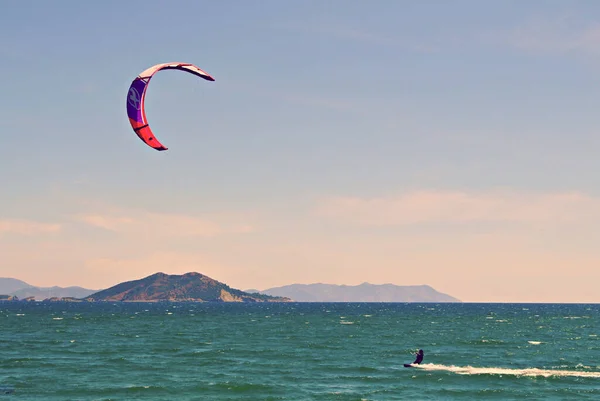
<point x="470" y="370"/>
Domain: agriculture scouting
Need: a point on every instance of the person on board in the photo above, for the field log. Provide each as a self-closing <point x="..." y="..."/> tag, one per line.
<point x="419" y="358"/>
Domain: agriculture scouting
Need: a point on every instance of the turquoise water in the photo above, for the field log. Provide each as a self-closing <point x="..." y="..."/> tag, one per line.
<point x="298" y="351"/>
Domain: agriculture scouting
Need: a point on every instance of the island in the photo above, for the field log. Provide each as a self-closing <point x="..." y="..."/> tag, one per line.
<point x="189" y="287"/>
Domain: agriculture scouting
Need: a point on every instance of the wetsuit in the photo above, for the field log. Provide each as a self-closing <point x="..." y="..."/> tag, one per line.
<point x="419" y="359"/>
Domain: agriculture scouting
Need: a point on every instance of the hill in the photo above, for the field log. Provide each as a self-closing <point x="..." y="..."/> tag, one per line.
<point x="359" y="293"/>
<point x="10" y="285"/>
<point x="22" y="290"/>
<point x="40" y="293"/>
<point x="187" y="287"/>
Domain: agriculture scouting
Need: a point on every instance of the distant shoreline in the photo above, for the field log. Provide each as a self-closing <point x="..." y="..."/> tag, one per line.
<point x="22" y="301"/>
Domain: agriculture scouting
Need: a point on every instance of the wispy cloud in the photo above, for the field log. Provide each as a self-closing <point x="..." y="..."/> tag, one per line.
<point x="562" y="34"/>
<point x="171" y="262"/>
<point x="354" y="34"/>
<point x="164" y="224"/>
<point x="566" y="33"/>
<point x="27" y="227"/>
<point x="111" y="223"/>
<point x="431" y="206"/>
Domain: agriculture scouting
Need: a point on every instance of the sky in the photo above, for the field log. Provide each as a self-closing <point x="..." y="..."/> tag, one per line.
<point x="447" y="143"/>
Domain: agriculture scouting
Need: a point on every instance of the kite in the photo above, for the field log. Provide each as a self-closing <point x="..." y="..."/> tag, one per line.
<point x="137" y="94"/>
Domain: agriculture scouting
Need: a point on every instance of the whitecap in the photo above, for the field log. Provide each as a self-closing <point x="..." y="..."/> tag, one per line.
<point x="531" y="372"/>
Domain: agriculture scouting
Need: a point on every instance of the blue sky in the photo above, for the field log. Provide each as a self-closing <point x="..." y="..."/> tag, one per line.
<point x="427" y="142"/>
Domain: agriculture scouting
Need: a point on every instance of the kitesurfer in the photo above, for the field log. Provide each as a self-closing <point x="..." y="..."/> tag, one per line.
<point x="419" y="358"/>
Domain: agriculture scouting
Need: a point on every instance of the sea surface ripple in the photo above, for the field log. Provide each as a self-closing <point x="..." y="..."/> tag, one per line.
<point x="298" y="351"/>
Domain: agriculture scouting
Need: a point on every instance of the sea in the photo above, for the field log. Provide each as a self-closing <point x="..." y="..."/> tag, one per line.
<point x="298" y="351"/>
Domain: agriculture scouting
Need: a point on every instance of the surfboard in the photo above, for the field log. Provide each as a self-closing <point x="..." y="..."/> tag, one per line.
<point x="408" y="365"/>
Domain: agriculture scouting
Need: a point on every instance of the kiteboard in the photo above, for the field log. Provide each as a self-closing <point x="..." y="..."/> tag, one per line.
<point x="408" y="365"/>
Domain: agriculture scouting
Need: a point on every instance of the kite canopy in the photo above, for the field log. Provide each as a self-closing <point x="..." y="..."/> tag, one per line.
<point x="137" y="94"/>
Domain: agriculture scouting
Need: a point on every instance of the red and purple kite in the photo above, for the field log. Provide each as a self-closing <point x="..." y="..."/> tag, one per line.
<point x="137" y="94"/>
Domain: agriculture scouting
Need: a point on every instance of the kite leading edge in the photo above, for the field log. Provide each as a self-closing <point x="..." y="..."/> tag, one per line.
<point x="137" y="94"/>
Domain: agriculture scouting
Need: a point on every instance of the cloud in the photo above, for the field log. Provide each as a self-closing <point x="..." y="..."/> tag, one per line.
<point x="349" y="33"/>
<point x="27" y="227"/>
<point x="166" y="262"/>
<point x="163" y="224"/>
<point x="111" y="223"/>
<point x="548" y="33"/>
<point x="557" y="35"/>
<point x="431" y="206"/>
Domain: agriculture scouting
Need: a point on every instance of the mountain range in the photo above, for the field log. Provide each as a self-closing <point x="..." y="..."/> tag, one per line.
<point x="364" y="292"/>
<point x="22" y="290"/>
<point x="197" y="287"/>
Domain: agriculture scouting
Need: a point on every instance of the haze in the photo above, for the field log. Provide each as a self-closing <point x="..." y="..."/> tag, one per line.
<point x="453" y="144"/>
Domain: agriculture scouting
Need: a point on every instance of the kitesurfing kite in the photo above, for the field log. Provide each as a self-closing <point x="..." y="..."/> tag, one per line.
<point x="137" y="94"/>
